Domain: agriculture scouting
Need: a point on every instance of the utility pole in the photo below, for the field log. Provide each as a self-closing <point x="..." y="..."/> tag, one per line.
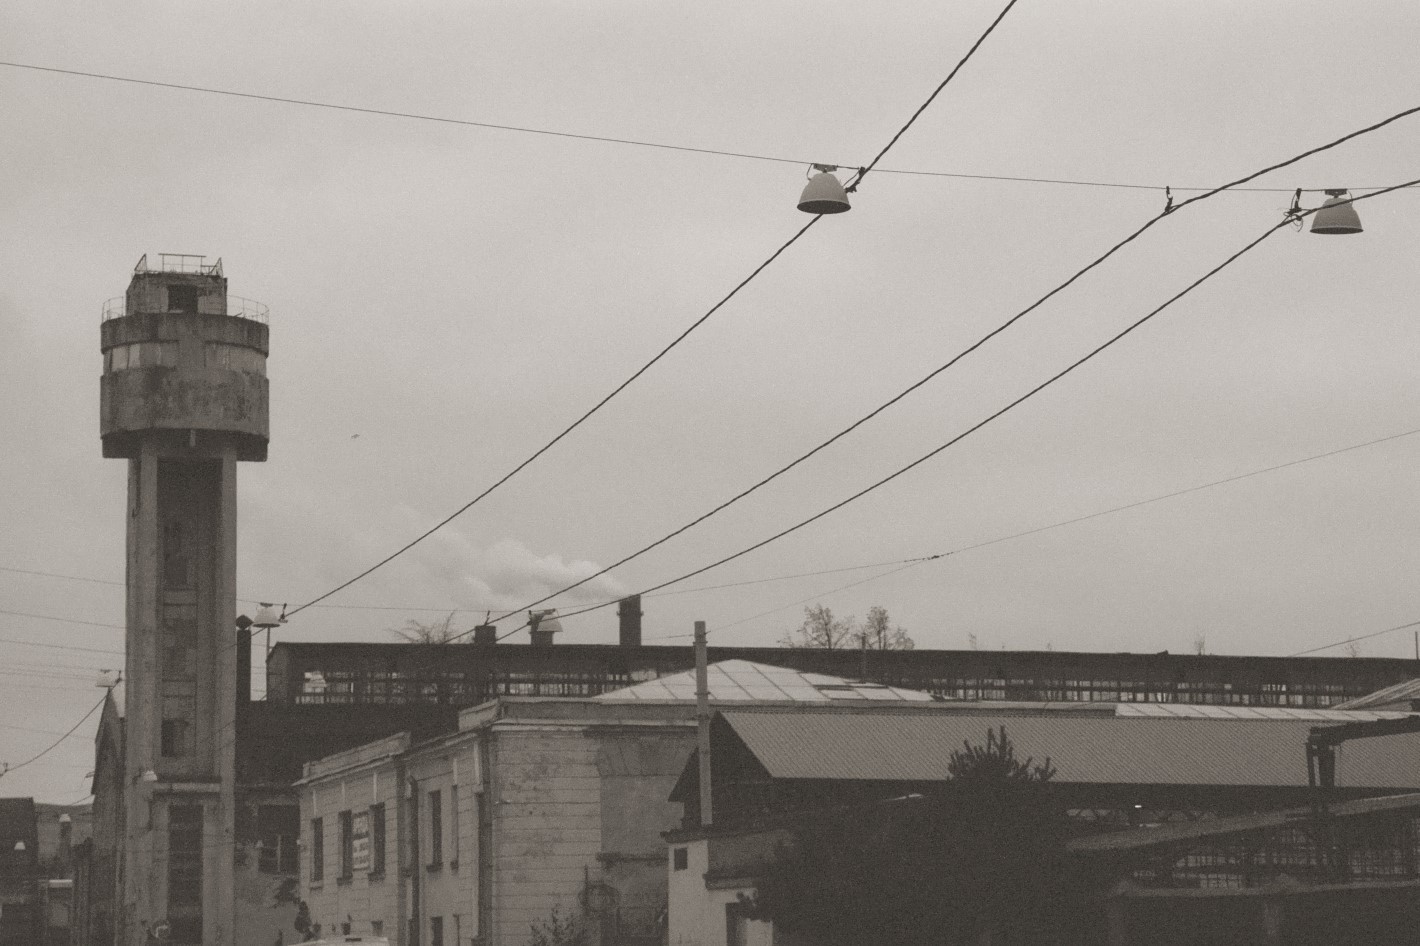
<point x="702" y="718"/>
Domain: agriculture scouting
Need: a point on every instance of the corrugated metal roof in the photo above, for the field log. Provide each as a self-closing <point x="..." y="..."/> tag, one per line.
<point x="1398" y="693"/>
<point x="746" y="681"/>
<point x="915" y="746"/>
<point x="1205" y="711"/>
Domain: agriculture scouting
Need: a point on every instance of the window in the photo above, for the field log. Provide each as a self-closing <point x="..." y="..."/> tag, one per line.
<point x="185" y="872"/>
<point x="436" y="831"/>
<point x="182" y="299"/>
<point x="436" y="931"/>
<point x="377" y="839"/>
<point x="377" y="927"/>
<point x="317" y="850"/>
<point x="347" y="845"/>
<point x="454" y="826"/>
<point x="680" y="859"/>
<point x="143" y="354"/>
<point x="276" y="829"/>
<point x="235" y="357"/>
<point x="175" y="738"/>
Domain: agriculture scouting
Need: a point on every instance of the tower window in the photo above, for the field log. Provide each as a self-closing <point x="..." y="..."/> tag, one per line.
<point x="182" y="299"/>
<point x="175" y="738"/>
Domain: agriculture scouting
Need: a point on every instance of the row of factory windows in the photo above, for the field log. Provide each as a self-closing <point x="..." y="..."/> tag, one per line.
<point x="165" y="354"/>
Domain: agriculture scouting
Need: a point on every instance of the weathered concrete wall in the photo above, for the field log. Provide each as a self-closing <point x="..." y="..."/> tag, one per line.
<point x="547" y="826"/>
<point x="448" y="883"/>
<point x="638" y="767"/>
<point x="184" y="391"/>
<point x="368" y="898"/>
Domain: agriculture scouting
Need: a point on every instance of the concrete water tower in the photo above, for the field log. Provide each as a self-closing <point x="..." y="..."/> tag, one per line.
<point x="183" y="397"/>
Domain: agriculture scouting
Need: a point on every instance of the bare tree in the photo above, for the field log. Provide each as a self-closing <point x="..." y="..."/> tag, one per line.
<point x="820" y="629"/>
<point x="879" y="633"/>
<point x="1200" y="644"/>
<point x="417" y="632"/>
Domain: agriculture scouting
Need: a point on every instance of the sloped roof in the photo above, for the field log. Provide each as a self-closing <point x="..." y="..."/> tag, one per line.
<point x="1155" y="835"/>
<point x="1398" y="693"/>
<point x="746" y="681"/>
<point x="903" y="745"/>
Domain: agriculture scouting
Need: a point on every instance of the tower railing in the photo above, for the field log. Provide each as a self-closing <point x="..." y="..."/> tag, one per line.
<point x="238" y="307"/>
<point x="180" y="263"/>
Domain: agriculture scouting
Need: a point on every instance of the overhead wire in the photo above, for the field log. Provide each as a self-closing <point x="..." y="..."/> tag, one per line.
<point x="608" y="139"/>
<point x="693" y="326"/>
<point x="922" y="559"/>
<point x="1352" y="640"/>
<point x="1288" y="221"/>
<point x="1168" y="211"/>
<point x="914" y="559"/>
<point x="35" y="758"/>
<point x="50" y="617"/>
<point x="74" y="647"/>
<point x="569" y="428"/>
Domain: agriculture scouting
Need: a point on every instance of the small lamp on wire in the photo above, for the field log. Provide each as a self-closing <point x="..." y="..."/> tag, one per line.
<point x="824" y="194"/>
<point x="1338" y="215"/>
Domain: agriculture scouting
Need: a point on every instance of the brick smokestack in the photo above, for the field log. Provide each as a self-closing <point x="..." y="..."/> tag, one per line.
<point x="628" y="614"/>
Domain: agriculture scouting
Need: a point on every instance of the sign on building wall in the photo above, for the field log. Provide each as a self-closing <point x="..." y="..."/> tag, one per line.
<point x="360" y="841"/>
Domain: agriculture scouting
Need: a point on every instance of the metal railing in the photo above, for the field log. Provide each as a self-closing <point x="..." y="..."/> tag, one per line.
<point x="238" y="307"/>
<point x="180" y="263"/>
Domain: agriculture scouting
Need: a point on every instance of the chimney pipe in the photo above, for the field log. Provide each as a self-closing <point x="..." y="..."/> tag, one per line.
<point x="628" y="613"/>
<point x="243" y="660"/>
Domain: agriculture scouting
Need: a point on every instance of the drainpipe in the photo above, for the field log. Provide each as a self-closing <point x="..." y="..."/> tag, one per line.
<point x="416" y="870"/>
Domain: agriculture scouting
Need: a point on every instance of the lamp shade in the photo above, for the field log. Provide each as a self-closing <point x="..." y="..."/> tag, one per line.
<point x="1337" y="215"/>
<point x="266" y="617"/>
<point x="823" y="195"/>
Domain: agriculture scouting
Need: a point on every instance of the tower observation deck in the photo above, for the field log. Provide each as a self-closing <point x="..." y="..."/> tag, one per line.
<point x="183" y="361"/>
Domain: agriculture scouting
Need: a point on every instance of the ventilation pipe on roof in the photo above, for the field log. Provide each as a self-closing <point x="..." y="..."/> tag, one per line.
<point x="542" y="625"/>
<point x="628" y="613"/>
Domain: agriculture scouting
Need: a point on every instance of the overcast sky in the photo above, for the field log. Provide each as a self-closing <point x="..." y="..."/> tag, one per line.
<point x="445" y="299"/>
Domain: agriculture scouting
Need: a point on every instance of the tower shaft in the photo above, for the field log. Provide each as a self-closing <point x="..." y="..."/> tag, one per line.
<point x="183" y="399"/>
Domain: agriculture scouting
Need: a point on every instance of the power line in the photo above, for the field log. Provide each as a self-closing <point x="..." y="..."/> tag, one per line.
<point x="27" y="571"/>
<point x="1352" y="640"/>
<point x="1288" y="221"/>
<point x="50" y="617"/>
<point x="47" y="750"/>
<point x="633" y="142"/>
<point x="571" y="427"/>
<point x="956" y="358"/>
<point x="922" y="559"/>
<point x="89" y="650"/>
<point x="822" y="594"/>
<point x="693" y="326"/>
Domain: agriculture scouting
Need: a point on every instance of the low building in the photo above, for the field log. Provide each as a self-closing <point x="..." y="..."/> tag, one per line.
<point x="538" y="812"/>
<point x="1117" y="766"/>
<point x="535" y="811"/>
